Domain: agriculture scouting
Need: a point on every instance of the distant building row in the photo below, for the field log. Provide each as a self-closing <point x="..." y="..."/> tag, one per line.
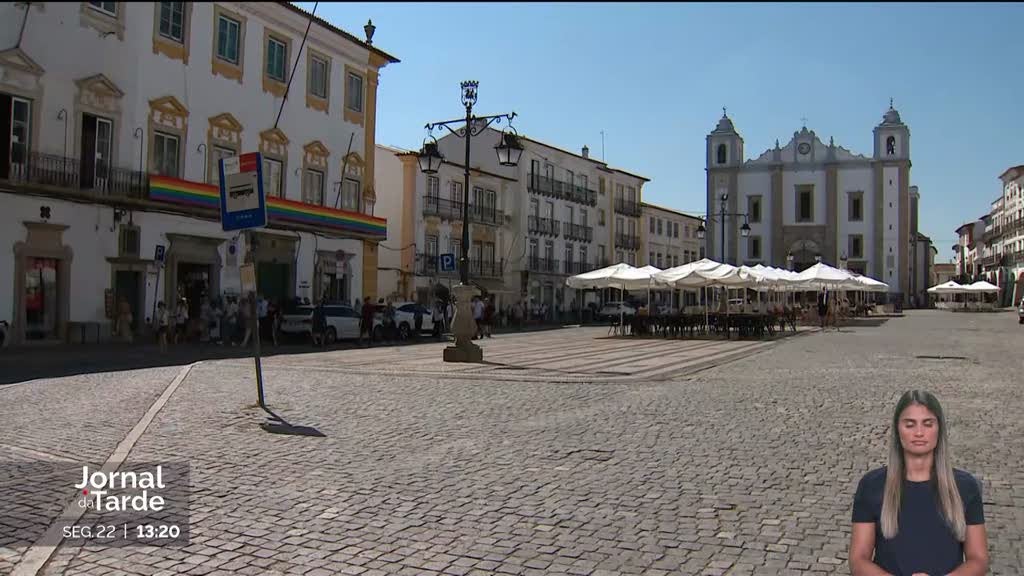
<point x="991" y="248"/>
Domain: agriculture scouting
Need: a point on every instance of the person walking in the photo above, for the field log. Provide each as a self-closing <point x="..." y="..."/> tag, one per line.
<point x="918" y="516"/>
<point x="319" y="333"/>
<point x="366" y="321"/>
<point x="162" y="325"/>
<point x="181" y="321"/>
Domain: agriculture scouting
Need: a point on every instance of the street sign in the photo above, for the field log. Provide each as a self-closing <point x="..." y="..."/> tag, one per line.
<point x="248" y="273"/>
<point x="159" y="254"/>
<point x="447" y="262"/>
<point x="242" y="201"/>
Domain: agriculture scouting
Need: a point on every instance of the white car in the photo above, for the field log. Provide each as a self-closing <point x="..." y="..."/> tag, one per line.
<point x="341" y="319"/>
<point x="405" y="320"/>
<point x="616" y="309"/>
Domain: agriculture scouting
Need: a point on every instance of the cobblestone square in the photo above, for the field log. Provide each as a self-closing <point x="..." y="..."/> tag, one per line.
<point x="568" y="453"/>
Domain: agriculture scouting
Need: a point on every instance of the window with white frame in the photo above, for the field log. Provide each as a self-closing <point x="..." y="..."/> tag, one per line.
<point x="354" y="92"/>
<point x="228" y="39"/>
<point x="166" y="154"/>
<point x="350" y="194"/>
<point x="433" y="188"/>
<point x="277" y="57"/>
<point x="313" y="187"/>
<point x="219" y="153"/>
<point x="172" y="20"/>
<point x="273" y="177"/>
<point x="318" y="77"/>
<point x="108" y="8"/>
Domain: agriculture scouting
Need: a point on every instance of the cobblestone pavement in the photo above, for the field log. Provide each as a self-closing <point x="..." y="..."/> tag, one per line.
<point x="625" y="461"/>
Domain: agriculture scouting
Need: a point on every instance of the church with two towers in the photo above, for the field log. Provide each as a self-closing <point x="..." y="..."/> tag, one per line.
<point x="811" y="201"/>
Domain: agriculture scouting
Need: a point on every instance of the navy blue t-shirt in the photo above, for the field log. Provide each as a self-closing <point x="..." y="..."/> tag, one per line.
<point x="924" y="542"/>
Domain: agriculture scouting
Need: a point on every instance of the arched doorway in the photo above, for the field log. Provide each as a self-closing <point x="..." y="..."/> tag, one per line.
<point x="804" y="253"/>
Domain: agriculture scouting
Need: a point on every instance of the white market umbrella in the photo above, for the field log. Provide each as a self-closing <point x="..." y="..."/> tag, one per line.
<point x="981" y="287"/>
<point x="822" y="275"/>
<point x="950" y="287"/>
<point x="621" y="276"/>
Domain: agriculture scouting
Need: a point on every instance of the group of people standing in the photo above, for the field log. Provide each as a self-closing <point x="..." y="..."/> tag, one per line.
<point x="224" y="320"/>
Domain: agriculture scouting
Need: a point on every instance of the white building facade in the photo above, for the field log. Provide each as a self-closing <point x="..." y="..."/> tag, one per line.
<point x="1003" y="261"/>
<point x="554" y="215"/>
<point x="809" y="199"/>
<point x="119" y="114"/>
<point x="427" y="213"/>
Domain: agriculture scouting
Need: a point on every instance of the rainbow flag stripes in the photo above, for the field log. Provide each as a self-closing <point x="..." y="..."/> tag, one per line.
<point x="184" y="192"/>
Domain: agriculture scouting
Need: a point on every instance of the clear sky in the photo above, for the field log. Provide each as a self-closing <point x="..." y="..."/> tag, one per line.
<point x="654" y="78"/>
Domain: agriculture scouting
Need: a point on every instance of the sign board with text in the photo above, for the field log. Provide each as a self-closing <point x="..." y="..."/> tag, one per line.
<point x="242" y="201"/>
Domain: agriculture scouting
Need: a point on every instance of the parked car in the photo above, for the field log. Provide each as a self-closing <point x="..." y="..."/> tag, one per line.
<point x="615" y="309"/>
<point x="405" y="318"/>
<point x="341" y="319"/>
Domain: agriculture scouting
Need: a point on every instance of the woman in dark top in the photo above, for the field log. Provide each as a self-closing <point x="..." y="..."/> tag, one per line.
<point x="925" y="517"/>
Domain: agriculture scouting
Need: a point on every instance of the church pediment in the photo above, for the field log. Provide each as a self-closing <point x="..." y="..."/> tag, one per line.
<point x="805" y="147"/>
<point x="17" y="59"/>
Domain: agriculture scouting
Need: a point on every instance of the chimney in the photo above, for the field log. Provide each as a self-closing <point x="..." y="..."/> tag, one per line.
<point x="586" y="151"/>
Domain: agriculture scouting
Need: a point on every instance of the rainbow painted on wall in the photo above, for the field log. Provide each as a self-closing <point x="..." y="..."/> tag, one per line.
<point x="175" y="191"/>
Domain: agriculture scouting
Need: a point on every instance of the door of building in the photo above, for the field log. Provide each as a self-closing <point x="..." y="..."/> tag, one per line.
<point x="42" y="299"/>
<point x="272" y="281"/>
<point x="126" y="286"/>
<point x="97" y="140"/>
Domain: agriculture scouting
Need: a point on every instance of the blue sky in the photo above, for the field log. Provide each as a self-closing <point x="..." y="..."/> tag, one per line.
<point x="654" y="78"/>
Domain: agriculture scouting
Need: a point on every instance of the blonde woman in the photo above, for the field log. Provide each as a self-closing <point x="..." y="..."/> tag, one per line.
<point x="918" y="516"/>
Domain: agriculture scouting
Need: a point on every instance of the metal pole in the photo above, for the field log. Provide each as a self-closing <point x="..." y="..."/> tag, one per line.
<point x="256" y="321"/>
<point x="464" y="269"/>
<point x="721" y="222"/>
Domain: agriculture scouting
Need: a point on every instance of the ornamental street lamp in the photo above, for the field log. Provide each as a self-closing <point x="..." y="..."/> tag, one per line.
<point x="722" y="215"/>
<point x="509" y="150"/>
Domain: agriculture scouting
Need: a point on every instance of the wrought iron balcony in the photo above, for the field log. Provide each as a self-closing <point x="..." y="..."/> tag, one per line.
<point x="98" y="179"/>
<point x="627" y="207"/>
<point x="543" y="265"/>
<point x="564" y="190"/>
<point x="578" y="232"/>
<point x="627" y="242"/>
<point x="547" y="226"/>
<point x="574" y="267"/>
<point x="452" y="210"/>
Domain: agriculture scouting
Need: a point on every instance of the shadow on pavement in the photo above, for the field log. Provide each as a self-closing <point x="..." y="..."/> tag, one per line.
<point x="22" y="363"/>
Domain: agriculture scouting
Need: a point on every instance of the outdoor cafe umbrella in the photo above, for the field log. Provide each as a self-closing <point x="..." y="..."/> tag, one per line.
<point x="621" y="276"/>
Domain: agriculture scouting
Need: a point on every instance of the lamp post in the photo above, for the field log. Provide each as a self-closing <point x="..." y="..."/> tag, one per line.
<point x="430" y="159"/>
<point x="722" y="215"/>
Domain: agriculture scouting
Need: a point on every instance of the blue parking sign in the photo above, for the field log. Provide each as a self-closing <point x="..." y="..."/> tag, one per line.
<point x="447" y="262"/>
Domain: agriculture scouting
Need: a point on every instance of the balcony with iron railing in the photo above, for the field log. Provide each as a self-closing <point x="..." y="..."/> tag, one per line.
<point x="563" y="190"/>
<point x="546" y="226"/>
<point x="578" y="232"/>
<point x="430" y="265"/>
<point x="96" y="180"/>
<point x="573" y="267"/>
<point x="627" y="241"/>
<point x="452" y="210"/>
<point x="543" y="265"/>
<point x="627" y="207"/>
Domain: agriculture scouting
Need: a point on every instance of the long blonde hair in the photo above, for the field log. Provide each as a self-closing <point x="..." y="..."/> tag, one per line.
<point x="951" y="505"/>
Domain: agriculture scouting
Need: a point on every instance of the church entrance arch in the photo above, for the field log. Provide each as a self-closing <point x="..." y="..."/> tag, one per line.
<point x="805" y="254"/>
